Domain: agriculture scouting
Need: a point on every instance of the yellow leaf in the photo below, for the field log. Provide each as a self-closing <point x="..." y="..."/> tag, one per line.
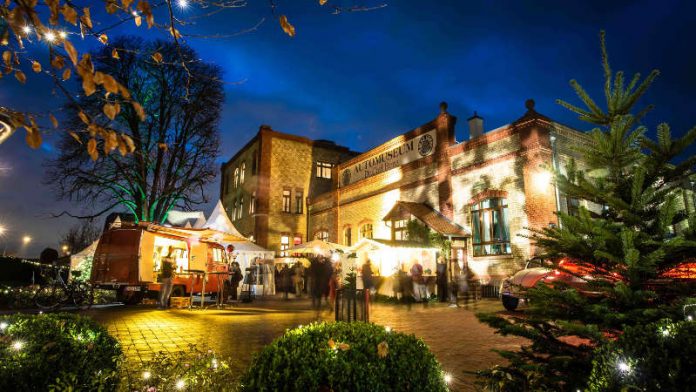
<point x="53" y="7"/>
<point x="144" y="7"/>
<point x="93" y="129"/>
<point x="129" y="142"/>
<point x="7" y="57"/>
<point x="92" y="149"/>
<point x="58" y="62"/>
<point x="109" y="110"/>
<point x="114" y="54"/>
<point x="66" y="74"/>
<point x="139" y="110"/>
<point x="69" y="14"/>
<point x="175" y="33"/>
<point x="110" y="142"/>
<point x="36" y="66"/>
<point x="382" y="349"/>
<point x="88" y="85"/>
<point x="332" y="344"/>
<point x="138" y="20"/>
<point x="83" y="117"/>
<point x="103" y="39"/>
<point x="287" y="27"/>
<point x="54" y="120"/>
<point x="33" y="138"/>
<point x="98" y="77"/>
<point x="85" y="18"/>
<point x="70" y="49"/>
<point x="343" y="346"/>
<point x="122" y="147"/>
<point x="322" y="2"/>
<point x="111" y="7"/>
<point x="163" y="146"/>
<point x="123" y="91"/>
<point x="109" y="83"/>
<point x="157" y="56"/>
<point x="75" y="136"/>
<point x="21" y="76"/>
<point x="126" y="3"/>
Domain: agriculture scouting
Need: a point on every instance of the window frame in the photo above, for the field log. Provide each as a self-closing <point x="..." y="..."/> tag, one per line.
<point x="322" y="235"/>
<point x="299" y="201"/>
<point x="252" y="203"/>
<point x="236" y="177"/>
<point x="241" y="173"/>
<point x="324" y="169"/>
<point x="284" y="246"/>
<point x="400" y="227"/>
<point x="483" y="218"/>
<point x="348" y="236"/>
<point x="363" y="231"/>
<point x="286" y="205"/>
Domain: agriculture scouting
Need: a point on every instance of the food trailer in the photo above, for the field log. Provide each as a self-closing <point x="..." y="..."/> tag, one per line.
<point x="128" y="259"/>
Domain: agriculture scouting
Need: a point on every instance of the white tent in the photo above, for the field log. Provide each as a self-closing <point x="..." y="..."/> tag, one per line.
<point x="220" y="221"/>
<point x="82" y="261"/>
<point x="317" y="247"/>
<point x="184" y="218"/>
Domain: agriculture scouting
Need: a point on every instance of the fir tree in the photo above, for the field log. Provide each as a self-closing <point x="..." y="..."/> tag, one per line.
<point x="637" y="184"/>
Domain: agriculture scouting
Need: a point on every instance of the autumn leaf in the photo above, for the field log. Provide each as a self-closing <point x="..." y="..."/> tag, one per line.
<point x="138" y="20"/>
<point x="332" y="344"/>
<point x="58" y="62"/>
<point x="53" y="119"/>
<point x="122" y="147"/>
<point x="7" y="58"/>
<point x="69" y="14"/>
<point x="104" y="39"/>
<point x="175" y="33"/>
<point x="66" y="74"/>
<point x="53" y="7"/>
<point x="163" y="146"/>
<point x="33" y="138"/>
<point x="70" y="49"/>
<point x="36" y="66"/>
<point x="83" y="117"/>
<point x="112" y="7"/>
<point x="86" y="18"/>
<point x="114" y="54"/>
<point x="111" y="110"/>
<point x="109" y="83"/>
<point x="344" y="346"/>
<point x="322" y="2"/>
<point x="126" y="3"/>
<point x="21" y="76"/>
<point x="139" y="110"/>
<point x="382" y="349"/>
<point x="110" y="142"/>
<point x="157" y="56"/>
<point x="287" y="27"/>
<point x="144" y="7"/>
<point x="129" y="142"/>
<point x="92" y="149"/>
<point x="75" y="136"/>
<point x="88" y="85"/>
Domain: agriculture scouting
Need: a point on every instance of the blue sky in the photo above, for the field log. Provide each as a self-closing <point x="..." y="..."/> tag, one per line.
<point x="361" y="78"/>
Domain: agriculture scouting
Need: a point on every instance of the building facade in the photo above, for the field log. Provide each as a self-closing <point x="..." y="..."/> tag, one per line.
<point x="266" y="185"/>
<point x="483" y="193"/>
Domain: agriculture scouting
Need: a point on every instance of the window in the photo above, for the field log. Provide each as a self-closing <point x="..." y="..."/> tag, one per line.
<point x="322" y="235"/>
<point x="489" y="222"/>
<point x="324" y="169"/>
<point x="286" y="200"/>
<point x="240" y="210"/>
<point x="218" y="255"/>
<point x="236" y="177"/>
<point x="297" y="240"/>
<point x="241" y="173"/>
<point x="573" y="206"/>
<point x="284" y="245"/>
<point x="251" y="238"/>
<point x="366" y="230"/>
<point x="399" y="232"/>
<point x="347" y="236"/>
<point x="234" y="211"/>
<point x="298" y="201"/>
<point x="252" y="204"/>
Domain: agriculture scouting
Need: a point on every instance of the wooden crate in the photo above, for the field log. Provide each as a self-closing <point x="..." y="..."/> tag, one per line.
<point x="180" y="302"/>
<point x="150" y="301"/>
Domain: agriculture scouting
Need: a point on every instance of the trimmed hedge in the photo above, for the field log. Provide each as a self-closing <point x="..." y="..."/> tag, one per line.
<point x="60" y="351"/>
<point x="659" y="356"/>
<point x="344" y="357"/>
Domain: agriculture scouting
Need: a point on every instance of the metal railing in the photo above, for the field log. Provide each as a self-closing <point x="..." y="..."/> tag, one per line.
<point x="352" y="305"/>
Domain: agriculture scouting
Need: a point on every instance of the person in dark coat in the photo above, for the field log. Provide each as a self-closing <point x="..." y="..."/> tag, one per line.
<point x="441" y="271"/>
<point x="367" y="278"/>
<point x="235" y="278"/>
<point x="315" y="276"/>
<point x="285" y="280"/>
<point x="327" y="274"/>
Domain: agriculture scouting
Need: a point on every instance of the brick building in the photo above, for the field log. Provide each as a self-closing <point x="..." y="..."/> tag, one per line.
<point x="265" y="186"/>
<point x="482" y="192"/>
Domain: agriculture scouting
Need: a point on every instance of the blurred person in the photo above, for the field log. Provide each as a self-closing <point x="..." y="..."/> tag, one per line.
<point x="167" y="273"/>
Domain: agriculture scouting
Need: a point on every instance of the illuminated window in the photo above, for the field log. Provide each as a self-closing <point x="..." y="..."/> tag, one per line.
<point x="286" y="200"/>
<point x="322" y="235"/>
<point x="241" y="173"/>
<point x="324" y="169"/>
<point x="399" y="231"/>
<point x="366" y="230"/>
<point x="236" y="177"/>
<point x="284" y="245"/>
<point x="240" y="210"/>
<point x="489" y="222"/>
<point x="252" y="204"/>
<point x="347" y="236"/>
<point x="298" y="201"/>
<point x="218" y="255"/>
<point x="251" y="238"/>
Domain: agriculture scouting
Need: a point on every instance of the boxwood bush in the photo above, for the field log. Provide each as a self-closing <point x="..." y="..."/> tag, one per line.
<point x="659" y="356"/>
<point x="344" y="357"/>
<point x="59" y="351"/>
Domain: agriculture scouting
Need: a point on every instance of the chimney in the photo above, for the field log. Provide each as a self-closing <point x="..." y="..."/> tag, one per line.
<point x="475" y="126"/>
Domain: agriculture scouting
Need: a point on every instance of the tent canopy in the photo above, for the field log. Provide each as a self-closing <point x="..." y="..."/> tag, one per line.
<point x="218" y="220"/>
<point x="317" y="247"/>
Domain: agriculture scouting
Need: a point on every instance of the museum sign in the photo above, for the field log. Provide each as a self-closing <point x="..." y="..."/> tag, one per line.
<point x="411" y="150"/>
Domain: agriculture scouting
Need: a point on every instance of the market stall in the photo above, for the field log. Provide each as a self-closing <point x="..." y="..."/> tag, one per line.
<point x="82" y="262"/>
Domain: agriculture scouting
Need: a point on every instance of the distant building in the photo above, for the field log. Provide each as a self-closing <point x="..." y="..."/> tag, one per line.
<point x="481" y="192"/>
<point x="266" y="185"/>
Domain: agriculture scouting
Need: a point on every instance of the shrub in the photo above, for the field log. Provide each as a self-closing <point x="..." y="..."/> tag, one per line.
<point x="56" y="351"/>
<point x="344" y="357"/>
<point x="192" y="370"/>
<point x="659" y="356"/>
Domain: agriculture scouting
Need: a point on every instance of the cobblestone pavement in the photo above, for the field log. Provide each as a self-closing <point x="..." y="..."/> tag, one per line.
<point x="457" y="339"/>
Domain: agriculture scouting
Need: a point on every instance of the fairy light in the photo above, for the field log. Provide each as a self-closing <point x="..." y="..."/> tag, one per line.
<point x="17" y="345"/>
<point x="214" y="363"/>
<point x="183" y="4"/>
<point x="134" y="13"/>
<point x="146" y="375"/>
<point x="26" y="29"/>
<point x="623" y="367"/>
<point x="689" y="318"/>
<point x="448" y="378"/>
<point x="62" y="34"/>
<point x="50" y="36"/>
<point x="180" y="384"/>
<point x="387" y="329"/>
<point x="3" y="326"/>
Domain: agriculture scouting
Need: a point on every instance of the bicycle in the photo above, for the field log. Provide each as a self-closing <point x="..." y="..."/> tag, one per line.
<point x="57" y="292"/>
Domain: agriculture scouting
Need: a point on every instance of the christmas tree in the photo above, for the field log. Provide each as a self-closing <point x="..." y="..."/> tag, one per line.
<point x="631" y="229"/>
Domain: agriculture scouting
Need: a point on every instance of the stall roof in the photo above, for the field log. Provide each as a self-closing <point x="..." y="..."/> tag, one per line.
<point x="200" y="234"/>
<point x="385" y="244"/>
<point x="220" y="221"/>
<point x="426" y="214"/>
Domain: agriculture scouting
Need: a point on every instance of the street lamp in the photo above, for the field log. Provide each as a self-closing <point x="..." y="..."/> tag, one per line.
<point x="3" y="230"/>
<point x="66" y="249"/>
<point x="26" y="239"/>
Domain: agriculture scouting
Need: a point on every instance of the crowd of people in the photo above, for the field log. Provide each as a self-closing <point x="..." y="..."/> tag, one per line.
<point x="319" y="281"/>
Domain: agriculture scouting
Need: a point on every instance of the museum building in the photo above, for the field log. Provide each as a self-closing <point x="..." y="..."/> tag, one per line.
<point x="482" y="193"/>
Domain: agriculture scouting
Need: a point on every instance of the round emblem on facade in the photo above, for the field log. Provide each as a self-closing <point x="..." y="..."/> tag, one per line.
<point x="425" y="145"/>
<point x="346" y="177"/>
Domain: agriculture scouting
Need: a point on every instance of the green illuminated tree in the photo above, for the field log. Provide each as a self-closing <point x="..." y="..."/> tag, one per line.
<point x="640" y="229"/>
<point x="173" y="147"/>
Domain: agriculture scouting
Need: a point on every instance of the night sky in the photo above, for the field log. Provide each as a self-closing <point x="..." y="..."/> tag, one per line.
<point x="361" y="78"/>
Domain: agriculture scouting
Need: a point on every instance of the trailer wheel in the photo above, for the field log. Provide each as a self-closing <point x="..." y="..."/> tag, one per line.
<point x="178" y="291"/>
<point x="129" y="297"/>
<point x="509" y="302"/>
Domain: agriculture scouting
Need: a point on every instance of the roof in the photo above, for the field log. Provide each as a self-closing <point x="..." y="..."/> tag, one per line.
<point x="401" y="244"/>
<point x="426" y="214"/>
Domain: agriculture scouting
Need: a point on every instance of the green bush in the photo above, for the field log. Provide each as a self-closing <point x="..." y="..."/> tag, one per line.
<point x="659" y="356"/>
<point x="344" y="357"/>
<point x="56" y="351"/>
<point x="192" y="370"/>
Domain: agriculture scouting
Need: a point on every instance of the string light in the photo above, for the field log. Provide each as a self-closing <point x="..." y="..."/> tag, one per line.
<point x="183" y="4"/>
<point x="448" y="378"/>
<point x="214" y="363"/>
<point x="146" y="375"/>
<point x="624" y="367"/>
<point x="387" y="329"/>
<point x="26" y="29"/>
<point x="50" y="37"/>
<point x="17" y="345"/>
<point x="3" y="325"/>
<point x="63" y="35"/>
<point x="134" y="13"/>
<point x="180" y="384"/>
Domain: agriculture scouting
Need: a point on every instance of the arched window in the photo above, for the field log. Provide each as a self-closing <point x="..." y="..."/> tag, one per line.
<point x="236" y="177"/>
<point x="347" y="234"/>
<point x="490" y="227"/>
<point x="322" y="235"/>
<point x="366" y="230"/>
<point x="241" y="173"/>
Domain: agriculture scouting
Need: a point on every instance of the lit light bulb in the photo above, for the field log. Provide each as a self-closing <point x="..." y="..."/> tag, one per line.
<point x="182" y="4"/>
<point x="18" y="345"/>
<point x="134" y="13"/>
<point x="689" y="318"/>
<point x="50" y="36"/>
<point x="26" y="29"/>
<point x="215" y="363"/>
<point x="3" y="324"/>
<point x="62" y="34"/>
<point x="387" y="328"/>
<point x="448" y="378"/>
<point x="624" y="367"/>
<point x="146" y="375"/>
<point x="665" y="332"/>
<point x="180" y="384"/>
